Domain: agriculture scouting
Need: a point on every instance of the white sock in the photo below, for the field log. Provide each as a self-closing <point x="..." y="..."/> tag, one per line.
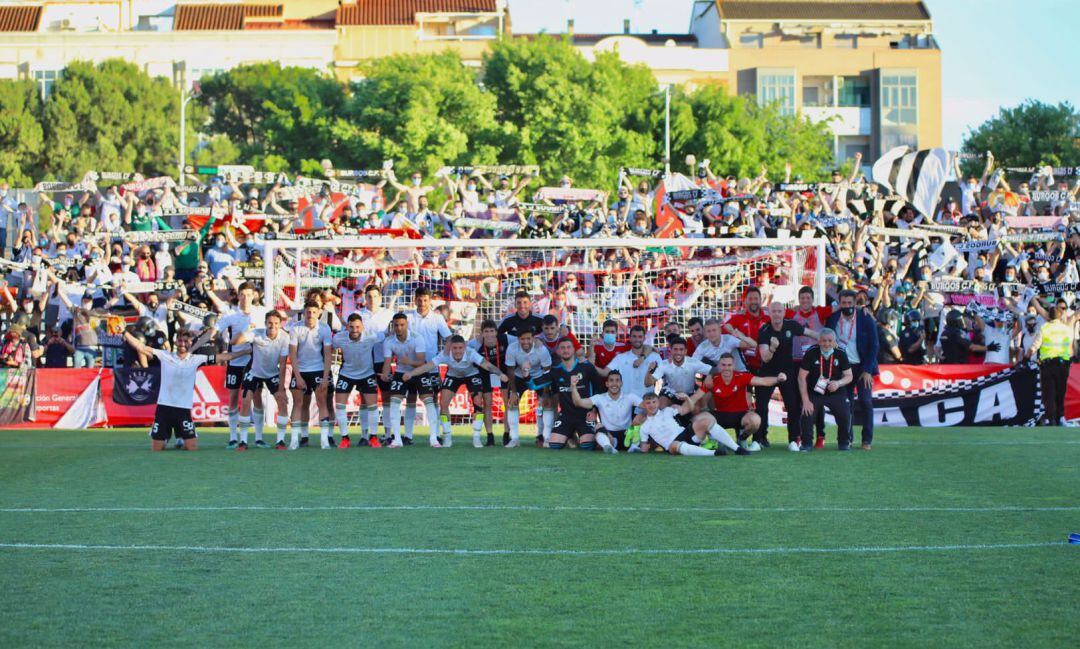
<point x="258" y="418"/>
<point x="548" y="423"/>
<point x="687" y="448"/>
<point x="295" y="432"/>
<point x="373" y="421"/>
<point x="365" y="420"/>
<point x="342" y="418"/>
<point x="304" y="432"/>
<point x="324" y="431"/>
<point x="243" y="423"/>
<point x="513" y="419"/>
<point x="721" y="436"/>
<point x="234" y="418"/>
<point x="478" y="424"/>
<point x="282" y="427"/>
<point x="603" y="440"/>
<point x="410" y="419"/>
<point x="432" y="417"/>
<point x="395" y="420"/>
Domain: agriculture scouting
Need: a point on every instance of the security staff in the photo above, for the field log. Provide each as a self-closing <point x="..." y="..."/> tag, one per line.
<point x="1055" y="344"/>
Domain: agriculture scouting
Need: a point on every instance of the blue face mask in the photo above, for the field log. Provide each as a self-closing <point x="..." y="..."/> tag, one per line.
<point x="609" y="339"/>
<point x="827" y="353"/>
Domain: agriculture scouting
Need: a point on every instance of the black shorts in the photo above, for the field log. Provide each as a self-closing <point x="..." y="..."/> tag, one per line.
<point x="419" y="385"/>
<point x="169" y="421"/>
<point x="366" y="385"/>
<point x="487" y="389"/>
<point x="730" y="420"/>
<point x="571" y="426"/>
<point x="687" y="435"/>
<point x="255" y="383"/>
<point x="312" y="380"/>
<point x="234" y="376"/>
<point x="474" y="384"/>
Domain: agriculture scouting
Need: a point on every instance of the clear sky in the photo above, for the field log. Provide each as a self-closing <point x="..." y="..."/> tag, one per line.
<point x="994" y="52"/>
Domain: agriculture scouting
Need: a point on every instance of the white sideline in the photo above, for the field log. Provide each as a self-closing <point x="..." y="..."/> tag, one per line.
<point x="528" y="508"/>
<point x="533" y="552"/>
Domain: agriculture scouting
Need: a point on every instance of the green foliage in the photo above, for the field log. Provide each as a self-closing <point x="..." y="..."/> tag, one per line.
<point x="1027" y="135"/>
<point x="216" y="150"/>
<point x="22" y="139"/>
<point x="422" y="111"/>
<point x="111" y="116"/>
<point x="269" y="110"/>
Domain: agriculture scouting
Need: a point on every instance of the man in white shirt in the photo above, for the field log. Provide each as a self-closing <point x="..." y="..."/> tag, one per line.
<point x="633" y="365"/>
<point x="269" y="355"/>
<point x="430" y="327"/>
<point x="616" y="411"/>
<point x="406" y="350"/>
<point x="177" y="392"/>
<point x="310" y="356"/>
<point x="679" y="432"/>
<point x="377" y="321"/>
<point x="527" y="360"/>
<point x="716" y="344"/>
<point x="679" y="374"/>
<point x="357" y="372"/>
<point x="245" y="317"/>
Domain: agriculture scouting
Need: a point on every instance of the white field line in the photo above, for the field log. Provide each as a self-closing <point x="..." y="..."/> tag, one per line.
<point x="528" y="508"/>
<point x="531" y="552"/>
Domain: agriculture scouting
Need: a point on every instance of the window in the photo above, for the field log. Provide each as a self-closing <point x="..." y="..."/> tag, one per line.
<point x="777" y="86"/>
<point x="46" y="79"/>
<point x="854" y="92"/>
<point x="846" y="41"/>
<point x="817" y="92"/>
<point x="899" y="100"/>
<point x="751" y="40"/>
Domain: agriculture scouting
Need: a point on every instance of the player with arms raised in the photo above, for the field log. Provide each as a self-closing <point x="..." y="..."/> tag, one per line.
<point x="177" y="393"/>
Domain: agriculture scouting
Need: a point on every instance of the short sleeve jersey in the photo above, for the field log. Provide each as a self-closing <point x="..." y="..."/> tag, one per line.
<point x="399" y="350"/>
<point x="357" y="361"/>
<point x="616" y="414"/>
<point x="237" y="322"/>
<point x="527" y="364"/>
<point x="267" y="353"/>
<point x="178" y="378"/>
<point x="459" y="368"/>
<point x="661" y="428"/>
<point x="731" y="397"/>
<point x="309" y="342"/>
<point x="680" y="378"/>
<point x="781" y="358"/>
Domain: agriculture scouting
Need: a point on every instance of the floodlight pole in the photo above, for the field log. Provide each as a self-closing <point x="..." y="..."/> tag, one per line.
<point x="667" y="130"/>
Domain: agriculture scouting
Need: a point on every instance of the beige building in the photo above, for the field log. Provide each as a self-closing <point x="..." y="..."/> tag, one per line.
<point x="870" y="67"/>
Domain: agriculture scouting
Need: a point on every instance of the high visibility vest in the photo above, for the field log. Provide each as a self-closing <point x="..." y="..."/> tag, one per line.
<point x="1057" y="340"/>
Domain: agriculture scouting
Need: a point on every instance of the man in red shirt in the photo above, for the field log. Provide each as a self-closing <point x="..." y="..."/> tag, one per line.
<point x="748" y="322"/>
<point x="607" y="348"/>
<point x="696" y="327"/>
<point x="813" y="318"/>
<point x="731" y="402"/>
<point x="553" y="333"/>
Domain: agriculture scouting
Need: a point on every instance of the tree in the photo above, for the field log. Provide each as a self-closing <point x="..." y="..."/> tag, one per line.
<point x="423" y="111"/>
<point x="110" y="117"/>
<point x="266" y="109"/>
<point x="1031" y="134"/>
<point x="21" y="137"/>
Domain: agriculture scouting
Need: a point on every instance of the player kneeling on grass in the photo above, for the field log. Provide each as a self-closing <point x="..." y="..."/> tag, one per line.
<point x="461" y="370"/>
<point x="616" y="410"/>
<point x="357" y="371"/>
<point x="269" y="355"/>
<point x="177" y="393"/>
<point x="528" y="361"/>
<point x="731" y="407"/>
<point x="680" y="432"/>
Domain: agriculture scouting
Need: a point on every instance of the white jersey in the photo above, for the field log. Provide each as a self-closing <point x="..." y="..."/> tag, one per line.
<point x="709" y="353"/>
<point x="309" y="342"/>
<point x="267" y="353"/>
<point x="633" y="378"/>
<point x="237" y="322"/>
<point x="616" y="414"/>
<point x="468" y="365"/>
<point x="399" y="350"/>
<point x="528" y="364"/>
<point x="178" y="378"/>
<point x="662" y="427"/>
<point x="680" y="378"/>
<point x="357" y="359"/>
<point x="377" y="322"/>
<point x="428" y="329"/>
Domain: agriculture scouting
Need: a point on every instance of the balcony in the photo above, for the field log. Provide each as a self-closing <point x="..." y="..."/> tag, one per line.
<point x="846" y="120"/>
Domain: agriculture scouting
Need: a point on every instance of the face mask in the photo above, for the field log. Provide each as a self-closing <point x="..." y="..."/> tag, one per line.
<point x="29" y="307"/>
<point x="472" y="187"/>
<point x="609" y="339"/>
<point x="219" y="244"/>
<point x="827" y="353"/>
<point x="848" y="311"/>
<point x="36" y="259"/>
<point x="416" y="182"/>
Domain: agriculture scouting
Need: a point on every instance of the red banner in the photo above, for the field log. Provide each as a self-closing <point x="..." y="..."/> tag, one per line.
<point x="913" y="378"/>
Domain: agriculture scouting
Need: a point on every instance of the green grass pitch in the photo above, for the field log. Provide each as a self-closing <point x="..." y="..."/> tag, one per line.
<point x="937" y="537"/>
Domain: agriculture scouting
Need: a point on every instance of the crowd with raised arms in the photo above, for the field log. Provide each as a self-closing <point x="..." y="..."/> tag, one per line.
<point x="99" y="275"/>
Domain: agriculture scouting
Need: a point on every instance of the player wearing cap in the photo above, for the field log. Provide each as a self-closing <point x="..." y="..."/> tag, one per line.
<point x="526" y="361"/>
<point x="269" y="356"/>
<point x="357" y="372"/>
<point x="463" y="367"/>
<point x="177" y="393"/>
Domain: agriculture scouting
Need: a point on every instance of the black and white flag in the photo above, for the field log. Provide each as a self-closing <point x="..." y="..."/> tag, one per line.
<point x="916" y="176"/>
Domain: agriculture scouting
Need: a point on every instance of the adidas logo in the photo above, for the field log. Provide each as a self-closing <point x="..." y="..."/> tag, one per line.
<point x="207" y="406"/>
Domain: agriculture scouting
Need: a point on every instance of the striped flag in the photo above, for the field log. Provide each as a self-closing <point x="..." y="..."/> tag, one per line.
<point x="866" y="209"/>
<point x="916" y="176"/>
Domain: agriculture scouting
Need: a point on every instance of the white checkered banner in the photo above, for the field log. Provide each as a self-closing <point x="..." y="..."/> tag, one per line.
<point x="956" y="395"/>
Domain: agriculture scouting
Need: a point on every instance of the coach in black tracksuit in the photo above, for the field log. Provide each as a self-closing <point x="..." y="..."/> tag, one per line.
<point x="775" y="347"/>
<point x="825" y="361"/>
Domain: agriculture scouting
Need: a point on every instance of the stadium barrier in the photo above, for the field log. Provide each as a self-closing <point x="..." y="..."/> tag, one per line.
<point x="904" y="395"/>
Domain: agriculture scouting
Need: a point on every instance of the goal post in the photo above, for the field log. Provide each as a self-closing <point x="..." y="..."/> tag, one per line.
<point x="631" y="281"/>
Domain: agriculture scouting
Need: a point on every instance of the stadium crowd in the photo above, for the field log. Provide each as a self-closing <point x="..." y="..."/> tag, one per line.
<point x="101" y="273"/>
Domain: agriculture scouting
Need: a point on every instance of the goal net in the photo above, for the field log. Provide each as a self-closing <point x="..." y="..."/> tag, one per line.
<point x="583" y="283"/>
